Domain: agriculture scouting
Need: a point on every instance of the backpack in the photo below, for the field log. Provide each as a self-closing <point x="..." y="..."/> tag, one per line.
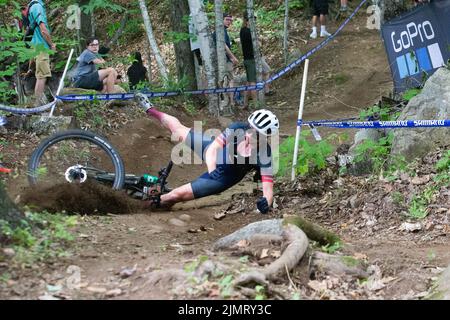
<point x="28" y="24"/>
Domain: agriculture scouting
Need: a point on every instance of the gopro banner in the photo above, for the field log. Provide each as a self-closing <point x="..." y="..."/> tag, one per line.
<point x="417" y="43"/>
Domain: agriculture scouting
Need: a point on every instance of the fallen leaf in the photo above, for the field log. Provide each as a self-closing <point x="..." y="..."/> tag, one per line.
<point x="275" y="254"/>
<point x="264" y="253"/>
<point x="220" y="215"/>
<point x="242" y="244"/>
<point x="420" y="180"/>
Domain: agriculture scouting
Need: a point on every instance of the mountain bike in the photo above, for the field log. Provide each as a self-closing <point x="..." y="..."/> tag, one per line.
<point x="81" y="156"/>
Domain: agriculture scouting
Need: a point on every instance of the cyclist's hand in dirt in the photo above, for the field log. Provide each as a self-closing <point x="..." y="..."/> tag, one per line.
<point x="216" y="174"/>
<point x="143" y="101"/>
<point x="262" y="205"/>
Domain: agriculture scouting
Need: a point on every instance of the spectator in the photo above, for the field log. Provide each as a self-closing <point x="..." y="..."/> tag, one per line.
<point x="41" y="38"/>
<point x="87" y="75"/>
<point x="344" y="5"/>
<point x="230" y="58"/>
<point x="249" y="59"/>
<point x="137" y="72"/>
<point x="320" y="8"/>
<point x="193" y="40"/>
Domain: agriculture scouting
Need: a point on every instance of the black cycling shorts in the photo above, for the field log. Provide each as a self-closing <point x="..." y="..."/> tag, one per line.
<point x="205" y="185"/>
<point x="90" y="81"/>
<point x="320" y="7"/>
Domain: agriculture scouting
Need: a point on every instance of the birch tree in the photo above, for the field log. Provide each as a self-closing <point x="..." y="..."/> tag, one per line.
<point x="256" y="50"/>
<point x="151" y="39"/>
<point x="224" y="101"/>
<point x="207" y="50"/>
<point x="286" y="31"/>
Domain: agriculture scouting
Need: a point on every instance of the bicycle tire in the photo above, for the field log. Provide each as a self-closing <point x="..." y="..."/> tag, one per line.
<point x="73" y="136"/>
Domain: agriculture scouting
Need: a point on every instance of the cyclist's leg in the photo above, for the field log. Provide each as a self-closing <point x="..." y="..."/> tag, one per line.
<point x="178" y="130"/>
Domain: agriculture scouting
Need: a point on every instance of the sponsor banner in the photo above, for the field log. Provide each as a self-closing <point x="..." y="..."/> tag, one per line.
<point x="418" y="43"/>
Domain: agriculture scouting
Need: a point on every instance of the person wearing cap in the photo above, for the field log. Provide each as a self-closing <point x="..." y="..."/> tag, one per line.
<point x="241" y="148"/>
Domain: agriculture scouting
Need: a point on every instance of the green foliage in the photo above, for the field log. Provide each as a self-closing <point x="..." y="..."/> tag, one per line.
<point x="90" y="115"/>
<point x="311" y="156"/>
<point x="133" y="30"/>
<point x="175" y="37"/>
<point x="444" y="163"/>
<point x="376" y="151"/>
<point x="226" y="286"/>
<point x="411" y="93"/>
<point x="13" y="52"/>
<point x="101" y="4"/>
<point x="41" y="236"/>
<point x="341" y="78"/>
<point x="260" y="293"/>
<point x="332" y="248"/>
<point x="192" y="266"/>
<point x="398" y="198"/>
<point x="418" y="208"/>
<point x="382" y="113"/>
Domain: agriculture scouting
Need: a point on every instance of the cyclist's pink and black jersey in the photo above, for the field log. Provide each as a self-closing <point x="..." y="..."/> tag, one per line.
<point x="234" y="166"/>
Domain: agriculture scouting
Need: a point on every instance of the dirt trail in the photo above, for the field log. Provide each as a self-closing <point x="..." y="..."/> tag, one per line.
<point x="349" y="74"/>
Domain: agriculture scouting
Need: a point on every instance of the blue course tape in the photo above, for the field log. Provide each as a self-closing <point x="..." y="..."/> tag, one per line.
<point x="258" y="86"/>
<point x="378" y="124"/>
<point x="26" y="110"/>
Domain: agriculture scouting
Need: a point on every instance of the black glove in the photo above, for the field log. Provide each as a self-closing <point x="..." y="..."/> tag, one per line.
<point x="216" y="174"/>
<point x="262" y="205"/>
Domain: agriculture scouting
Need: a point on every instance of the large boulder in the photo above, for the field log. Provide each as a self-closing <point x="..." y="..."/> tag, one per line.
<point x="433" y="103"/>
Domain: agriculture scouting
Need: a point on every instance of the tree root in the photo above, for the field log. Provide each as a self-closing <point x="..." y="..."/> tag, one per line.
<point x="296" y="248"/>
<point x="339" y="266"/>
<point x="312" y="230"/>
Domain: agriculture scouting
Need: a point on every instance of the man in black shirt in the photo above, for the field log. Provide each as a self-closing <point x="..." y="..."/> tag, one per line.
<point x="249" y="58"/>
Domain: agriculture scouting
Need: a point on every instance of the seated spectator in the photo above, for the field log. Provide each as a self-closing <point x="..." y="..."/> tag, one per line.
<point x="137" y="72"/>
<point x="87" y="75"/>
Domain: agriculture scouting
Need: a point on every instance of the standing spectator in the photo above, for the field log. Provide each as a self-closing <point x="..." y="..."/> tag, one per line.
<point x="231" y="59"/>
<point x="249" y="59"/>
<point x="344" y="5"/>
<point x="193" y="40"/>
<point x="87" y="76"/>
<point x="320" y="8"/>
<point x="41" y="38"/>
<point x="137" y="72"/>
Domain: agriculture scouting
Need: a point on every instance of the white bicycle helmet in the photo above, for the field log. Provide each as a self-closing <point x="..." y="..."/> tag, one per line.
<point x="264" y="121"/>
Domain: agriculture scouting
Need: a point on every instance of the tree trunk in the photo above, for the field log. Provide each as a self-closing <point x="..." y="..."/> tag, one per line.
<point x="92" y="24"/>
<point x="9" y="211"/>
<point x="85" y="23"/>
<point x="183" y="53"/>
<point x="148" y="28"/>
<point x="257" y="52"/>
<point x="286" y="31"/>
<point x="207" y="50"/>
<point x="224" y="102"/>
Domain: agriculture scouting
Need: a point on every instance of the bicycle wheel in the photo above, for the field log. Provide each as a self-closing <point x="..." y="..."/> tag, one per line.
<point x="75" y="156"/>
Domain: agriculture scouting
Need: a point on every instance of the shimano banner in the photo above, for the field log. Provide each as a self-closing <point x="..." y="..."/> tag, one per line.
<point x="417" y="43"/>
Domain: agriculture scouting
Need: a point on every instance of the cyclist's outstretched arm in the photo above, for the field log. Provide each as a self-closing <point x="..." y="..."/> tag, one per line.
<point x="211" y="155"/>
